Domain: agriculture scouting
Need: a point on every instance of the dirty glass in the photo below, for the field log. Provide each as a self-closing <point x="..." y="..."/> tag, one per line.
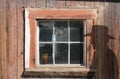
<point x="76" y="31"/>
<point x="46" y="53"/>
<point x="61" y="42"/>
<point x="61" y="30"/>
<point x="46" y="31"/>
<point x="61" y="53"/>
<point x="76" y="53"/>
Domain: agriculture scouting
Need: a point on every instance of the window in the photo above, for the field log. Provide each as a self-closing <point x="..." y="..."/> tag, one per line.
<point x="55" y="40"/>
<point x="61" y="42"/>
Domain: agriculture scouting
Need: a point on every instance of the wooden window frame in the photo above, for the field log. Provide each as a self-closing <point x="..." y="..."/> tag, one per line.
<point x="31" y="14"/>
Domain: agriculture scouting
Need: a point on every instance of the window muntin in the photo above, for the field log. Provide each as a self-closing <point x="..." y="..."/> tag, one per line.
<point x="61" y="42"/>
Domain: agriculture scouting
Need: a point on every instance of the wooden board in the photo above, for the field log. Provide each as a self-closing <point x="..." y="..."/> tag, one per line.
<point x="41" y="3"/>
<point x="55" y="4"/>
<point x="12" y="35"/>
<point x="20" y="38"/>
<point x="3" y="34"/>
<point x="31" y="3"/>
<point x="75" y="4"/>
<point x="12" y="40"/>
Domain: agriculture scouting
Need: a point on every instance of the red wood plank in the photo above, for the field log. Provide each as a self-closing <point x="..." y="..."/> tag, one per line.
<point x="2" y="38"/>
<point x="3" y="33"/>
<point x="20" y="38"/>
<point x="62" y="14"/>
<point x="12" y="40"/>
<point x="32" y="42"/>
<point x="90" y="43"/>
<point x="32" y="4"/>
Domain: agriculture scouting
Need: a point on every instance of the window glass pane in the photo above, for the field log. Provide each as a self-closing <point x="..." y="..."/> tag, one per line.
<point x="76" y="31"/>
<point x="46" y="30"/>
<point x="46" y="54"/>
<point x="61" y="53"/>
<point x="61" y="30"/>
<point x="76" y="53"/>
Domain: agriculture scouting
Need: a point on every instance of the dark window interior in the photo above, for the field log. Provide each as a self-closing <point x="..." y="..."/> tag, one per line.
<point x="61" y="42"/>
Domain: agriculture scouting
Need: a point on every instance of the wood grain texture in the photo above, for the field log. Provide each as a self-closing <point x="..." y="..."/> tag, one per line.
<point x="1" y="40"/>
<point x="31" y="3"/>
<point x="90" y="3"/>
<point x="100" y="20"/>
<point x="24" y="3"/>
<point x="55" y="4"/>
<point x="12" y="40"/>
<point x="75" y="4"/>
<point x="116" y="42"/>
<point x="109" y="72"/>
<point x="62" y="14"/>
<point x="90" y="43"/>
<point x="3" y="33"/>
<point x="20" y="38"/>
<point x="41" y="3"/>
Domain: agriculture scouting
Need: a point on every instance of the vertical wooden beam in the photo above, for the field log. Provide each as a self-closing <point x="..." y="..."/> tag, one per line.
<point x="20" y="38"/>
<point x="90" y="43"/>
<point x="101" y="50"/>
<point x="116" y="42"/>
<point x="108" y="20"/>
<point x="32" y="4"/>
<point x="2" y="38"/>
<point x="101" y="8"/>
<point x="12" y="40"/>
<point x="3" y="33"/>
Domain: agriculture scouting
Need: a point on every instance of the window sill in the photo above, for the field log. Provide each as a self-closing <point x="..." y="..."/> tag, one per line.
<point x="60" y="72"/>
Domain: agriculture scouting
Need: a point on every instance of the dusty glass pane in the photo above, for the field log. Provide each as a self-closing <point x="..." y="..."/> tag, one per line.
<point x="46" y="31"/>
<point x="76" y="31"/>
<point x="61" y="53"/>
<point x="76" y="53"/>
<point x="46" y="54"/>
<point x="61" y="30"/>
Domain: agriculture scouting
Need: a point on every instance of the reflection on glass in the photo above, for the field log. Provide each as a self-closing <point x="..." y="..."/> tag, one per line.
<point x="76" y="53"/>
<point x="54" y="39"/>
<point x="61" y="54"/>
<point x="76" y="31"/>
<point x="46" y="54"/>
<point x="46" y="31"/>
<point x="61" y="30"/>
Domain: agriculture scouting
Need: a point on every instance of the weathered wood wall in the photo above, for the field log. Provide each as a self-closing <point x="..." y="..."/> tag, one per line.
<point x="12" y="31"/>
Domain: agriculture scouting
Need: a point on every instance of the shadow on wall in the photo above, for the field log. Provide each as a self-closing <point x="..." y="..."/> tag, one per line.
<point x="97" y="0"/>
<point x="104" y="58"/>
<point x="93" y="0"/>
